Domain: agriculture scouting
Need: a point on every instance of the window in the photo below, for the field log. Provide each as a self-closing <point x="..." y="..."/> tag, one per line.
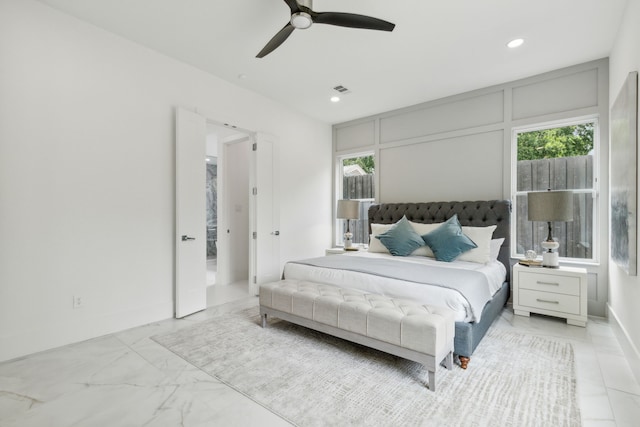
<point x="356" y="182"/>
<point x="558" y="157"/>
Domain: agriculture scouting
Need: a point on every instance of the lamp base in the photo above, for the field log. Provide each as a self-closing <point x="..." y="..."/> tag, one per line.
<point x="550" y="259"/>
<point x="347" y="240"/>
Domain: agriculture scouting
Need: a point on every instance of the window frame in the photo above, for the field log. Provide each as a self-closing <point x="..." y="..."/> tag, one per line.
<point x="339" y="191"/>
<point x="594" y="191"/>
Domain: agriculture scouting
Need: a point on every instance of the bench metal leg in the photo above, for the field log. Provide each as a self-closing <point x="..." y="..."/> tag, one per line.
<point x="448" y="361"/>
<point x="264" y="320"/>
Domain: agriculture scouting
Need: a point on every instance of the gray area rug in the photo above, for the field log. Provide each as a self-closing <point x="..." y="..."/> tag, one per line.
<point x="312" y="379"/>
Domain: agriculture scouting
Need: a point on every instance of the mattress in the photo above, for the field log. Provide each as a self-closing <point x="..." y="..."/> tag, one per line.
<point x="495" y="272"/>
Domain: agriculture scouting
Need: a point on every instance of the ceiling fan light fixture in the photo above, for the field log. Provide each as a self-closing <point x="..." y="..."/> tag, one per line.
<point x="301" y="20"/>
<point x="303" y="16"/>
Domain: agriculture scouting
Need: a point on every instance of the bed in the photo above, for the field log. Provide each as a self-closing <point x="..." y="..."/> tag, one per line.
<point x="475" y="313"/>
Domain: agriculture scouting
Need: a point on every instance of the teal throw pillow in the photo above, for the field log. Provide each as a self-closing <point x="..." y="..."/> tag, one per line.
<point x="401" y="239"/>
<point x="448" y="241"/>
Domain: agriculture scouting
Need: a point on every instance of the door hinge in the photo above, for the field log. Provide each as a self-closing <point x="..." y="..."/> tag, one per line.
<point x="255" y="234"/>
<point x="254" y="147"/>
<point x="255" y="191"/>
<point x="255" y="279"/>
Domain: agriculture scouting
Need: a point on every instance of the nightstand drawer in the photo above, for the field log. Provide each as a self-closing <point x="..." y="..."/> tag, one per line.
<point x="569" y="285"/>
<point x="561" y="303"/>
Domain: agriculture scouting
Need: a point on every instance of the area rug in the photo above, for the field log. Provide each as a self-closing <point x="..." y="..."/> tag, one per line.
<point x="312" y="379"/>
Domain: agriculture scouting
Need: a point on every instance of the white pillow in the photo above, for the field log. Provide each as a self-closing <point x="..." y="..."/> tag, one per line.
<point x="481" y="236"/>
<point x="486" y="251"/>
<point x="495" y="244"/>
<point x="423" y="251"/>
<point x="423" y="229"/>
<point x="375" y="245"/>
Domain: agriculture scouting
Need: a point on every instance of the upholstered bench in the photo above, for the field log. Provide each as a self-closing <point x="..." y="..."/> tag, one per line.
<point x="413" y="331"/>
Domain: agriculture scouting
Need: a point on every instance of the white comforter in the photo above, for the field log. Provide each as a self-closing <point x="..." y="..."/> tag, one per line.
<point x="494" y="271"/>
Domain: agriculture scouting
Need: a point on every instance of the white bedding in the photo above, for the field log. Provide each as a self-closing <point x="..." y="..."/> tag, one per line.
<point x="494" y="271"/>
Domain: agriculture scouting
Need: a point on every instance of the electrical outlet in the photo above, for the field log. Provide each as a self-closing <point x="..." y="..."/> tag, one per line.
<point x="77" y="301"/>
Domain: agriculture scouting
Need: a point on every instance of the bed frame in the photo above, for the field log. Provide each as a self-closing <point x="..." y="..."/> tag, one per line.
<point x="475" y="214"/>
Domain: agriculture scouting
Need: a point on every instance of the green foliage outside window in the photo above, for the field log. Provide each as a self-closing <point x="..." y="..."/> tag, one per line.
<point x="565" y="141"/>
<point x="365" y="162"/>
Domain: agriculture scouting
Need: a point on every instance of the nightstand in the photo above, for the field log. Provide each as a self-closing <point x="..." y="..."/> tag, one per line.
<point x="334" y="251"/>
<point x="337" y="251"/>
<point x="560" y="292"/>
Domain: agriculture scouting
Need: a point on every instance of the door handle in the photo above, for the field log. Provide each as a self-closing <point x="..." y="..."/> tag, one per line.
<point x="276" y="233"/>
<point x="185" y="238"/>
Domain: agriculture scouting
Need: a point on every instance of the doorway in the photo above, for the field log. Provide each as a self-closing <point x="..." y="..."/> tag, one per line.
<point x="228" y="228"/>
<point x="246" y="225"/>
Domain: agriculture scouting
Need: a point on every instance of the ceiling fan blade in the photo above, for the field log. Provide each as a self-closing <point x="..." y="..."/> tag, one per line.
<point x="352" y="20"/>
<point x="277" y="40"/>
<point x="293" y="5"/>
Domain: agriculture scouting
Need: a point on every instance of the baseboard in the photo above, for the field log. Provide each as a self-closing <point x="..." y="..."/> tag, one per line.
<point x="629" y="349"/>
<point x="54" y="334"/>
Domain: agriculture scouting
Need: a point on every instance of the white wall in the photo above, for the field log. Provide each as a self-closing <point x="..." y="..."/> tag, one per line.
<point x="460" y="147"/>
<point x="87" y="176"/>
<point x="624" y="290"/>
<point x="212" y="143"/>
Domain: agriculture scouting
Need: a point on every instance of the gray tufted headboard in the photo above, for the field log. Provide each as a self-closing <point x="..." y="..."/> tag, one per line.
<point x="476" y="214"/>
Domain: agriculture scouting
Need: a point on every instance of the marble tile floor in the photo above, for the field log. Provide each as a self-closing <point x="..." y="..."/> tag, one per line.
<point x="219" y="294"/>
<point x="608" y="393"/>
<point x="126" y="379"/>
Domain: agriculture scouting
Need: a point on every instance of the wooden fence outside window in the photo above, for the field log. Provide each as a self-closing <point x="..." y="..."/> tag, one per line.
<point x="571" y="173"/>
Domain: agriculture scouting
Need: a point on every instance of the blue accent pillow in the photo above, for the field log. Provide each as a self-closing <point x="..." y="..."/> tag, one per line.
<point x="448" y="241"/>
<point x="401" y="239"/>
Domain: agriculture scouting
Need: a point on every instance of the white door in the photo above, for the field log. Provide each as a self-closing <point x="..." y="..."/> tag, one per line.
<point x="191" y="233"/>
<point x="264" y="257"/>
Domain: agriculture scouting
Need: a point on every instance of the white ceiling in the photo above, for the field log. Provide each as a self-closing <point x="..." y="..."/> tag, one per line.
<point x="438" y="48"/>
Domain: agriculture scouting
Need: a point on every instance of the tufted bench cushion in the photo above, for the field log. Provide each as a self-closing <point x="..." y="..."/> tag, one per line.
<point x="407" y="329"/>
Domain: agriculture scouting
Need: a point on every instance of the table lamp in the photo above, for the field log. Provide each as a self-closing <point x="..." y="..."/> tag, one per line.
<point x="549" y="206"/>
<point x="348" y="209"/>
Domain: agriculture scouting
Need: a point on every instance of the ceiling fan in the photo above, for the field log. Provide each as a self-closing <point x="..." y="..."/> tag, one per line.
<point x="302" y="17"/>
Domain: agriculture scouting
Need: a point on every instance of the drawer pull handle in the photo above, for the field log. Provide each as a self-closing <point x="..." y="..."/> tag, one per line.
<point x="548" y="283"/>
<point x="547" y="301"/>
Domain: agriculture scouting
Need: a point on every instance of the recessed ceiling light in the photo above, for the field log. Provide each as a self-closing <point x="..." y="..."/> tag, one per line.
<point x="515" y="43"/>
<point x="335" y="99"/>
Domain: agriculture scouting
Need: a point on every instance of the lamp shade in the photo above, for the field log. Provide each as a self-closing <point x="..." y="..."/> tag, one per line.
<point x="550" y="206"/>
<point x="348" y="209"/>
